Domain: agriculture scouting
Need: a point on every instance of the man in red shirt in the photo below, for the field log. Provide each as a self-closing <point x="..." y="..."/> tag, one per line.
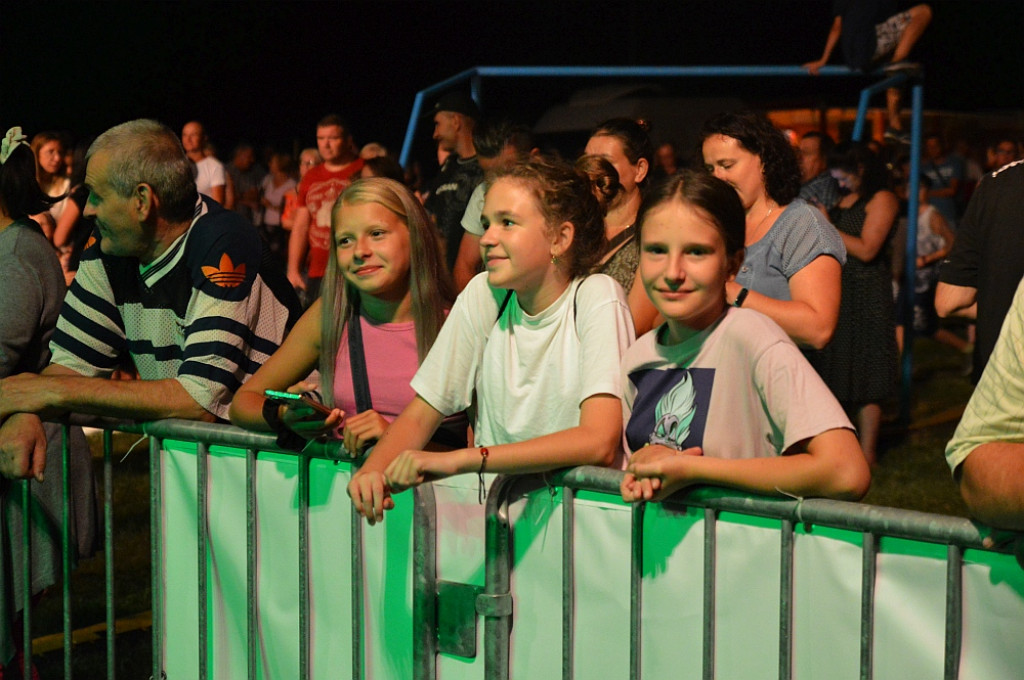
<point x="310" y="241"/>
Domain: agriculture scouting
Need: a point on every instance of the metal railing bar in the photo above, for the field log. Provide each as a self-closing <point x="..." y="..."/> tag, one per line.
<point x="251" y="589"/>
<point x="869" y="567"/>
<point x="837" y="514"/>
<point x="358" y="667"/>
<point x="26" y="573"/>
<point x="108" y="548"/>
<point x="424" y="583"/>
<point x="786" y="602"/>
<point x="498" y="569"/>
<point x="872" y="521"/>
<point x="156" y="553"/>
<point x="954" y="611"/>
<point x="303" y="567"/>
<point x="568" y="583"/>
<point x="894" y="522"/>
<point x="202" y="512"/>
<point x="710" y="554"/>
<point x="66" y="556"/>
<point x="636" y="574"/>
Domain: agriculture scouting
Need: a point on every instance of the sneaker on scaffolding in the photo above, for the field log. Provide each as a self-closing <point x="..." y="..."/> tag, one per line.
<point x="897" y="136"/>
<point x="911" y="68"/>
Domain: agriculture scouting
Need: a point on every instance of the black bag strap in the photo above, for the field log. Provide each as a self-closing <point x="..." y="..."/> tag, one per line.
<point x="508" y="296"/>
<point x="357" y="360"/>
<point x="504" y="304"/>
<point x="621" y="238"/>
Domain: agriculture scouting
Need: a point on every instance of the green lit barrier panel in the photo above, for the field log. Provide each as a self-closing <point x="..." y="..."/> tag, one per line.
<point x="261" y="570"/>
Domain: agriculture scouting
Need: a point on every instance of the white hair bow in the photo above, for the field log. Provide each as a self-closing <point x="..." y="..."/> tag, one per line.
<point x="10" y="142"/>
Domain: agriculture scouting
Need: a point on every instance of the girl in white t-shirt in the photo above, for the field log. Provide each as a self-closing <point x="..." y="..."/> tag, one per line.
<point x="385" y="269"/>
<point x="717" y="394"/>
<point x="532" y="341"/>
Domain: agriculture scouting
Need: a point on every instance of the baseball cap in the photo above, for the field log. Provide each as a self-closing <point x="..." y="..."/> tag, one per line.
<point x="456" y="102"/>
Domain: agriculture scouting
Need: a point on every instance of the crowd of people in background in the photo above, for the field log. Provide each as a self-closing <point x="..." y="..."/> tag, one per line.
<point x="734" y="318"/>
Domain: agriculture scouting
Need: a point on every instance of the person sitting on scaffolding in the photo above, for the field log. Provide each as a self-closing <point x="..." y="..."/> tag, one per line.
<point x="718" y="394"/>
<point x="868" y="38"/>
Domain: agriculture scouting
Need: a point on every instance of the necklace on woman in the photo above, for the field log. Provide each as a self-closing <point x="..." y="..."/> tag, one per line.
<point x="757" y="228"/>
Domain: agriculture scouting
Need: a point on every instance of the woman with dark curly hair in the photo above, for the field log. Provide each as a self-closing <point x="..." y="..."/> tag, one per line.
<point x="534" y="342"/>
<point x="794" y="257"/>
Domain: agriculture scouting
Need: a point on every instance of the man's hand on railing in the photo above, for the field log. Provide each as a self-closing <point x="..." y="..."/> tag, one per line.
<point x="370" y="495"/>
<point x="22" y="447"/>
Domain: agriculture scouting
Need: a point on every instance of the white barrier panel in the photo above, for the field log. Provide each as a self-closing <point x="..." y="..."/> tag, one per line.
<point x="745" y="638"/>
<point x="387" y="560"/>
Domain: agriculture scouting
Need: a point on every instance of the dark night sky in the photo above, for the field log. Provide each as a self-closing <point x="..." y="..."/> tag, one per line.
<point x="268" y="71"/>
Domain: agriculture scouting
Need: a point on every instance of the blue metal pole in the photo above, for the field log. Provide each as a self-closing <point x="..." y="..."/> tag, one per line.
<point x="910" y="262"/>
<point x="473" y="76"/>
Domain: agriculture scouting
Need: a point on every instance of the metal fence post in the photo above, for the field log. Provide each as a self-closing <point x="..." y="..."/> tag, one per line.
<point x="202" y="529"/>
<point x="869" y="553"/>
<point x="636" y="587"/>
<point x="424" y="584"/>
<point x="66" y="558"/>
<point x="568" y="582"/>
<point x="156" y="553"/>
<point x="954" y="611"/>
<point x="303" y="463"/>
<point x="710" y="521"/>
<point x="786" y="602"/>
<point x="251" y="546"/>
<point x="108" y="549"/>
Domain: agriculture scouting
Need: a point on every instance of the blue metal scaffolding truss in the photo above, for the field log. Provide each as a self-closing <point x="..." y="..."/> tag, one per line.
<point x="475" y="75"/>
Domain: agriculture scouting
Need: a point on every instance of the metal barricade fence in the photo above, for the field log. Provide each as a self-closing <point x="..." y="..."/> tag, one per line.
<point x="298" y="588"/>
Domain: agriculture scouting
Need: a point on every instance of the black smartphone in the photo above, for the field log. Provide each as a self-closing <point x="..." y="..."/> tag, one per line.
<point x="293" y="399"/>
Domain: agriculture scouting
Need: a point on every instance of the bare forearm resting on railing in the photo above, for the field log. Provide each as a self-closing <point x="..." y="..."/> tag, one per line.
<point x="59" y="391"/>
<point x="992" y="484"/>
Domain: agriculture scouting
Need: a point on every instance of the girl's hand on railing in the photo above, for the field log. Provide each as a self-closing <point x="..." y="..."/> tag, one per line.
<point x="653" y="473"/>
<point x="362" y="430"/>
<point x="637" y="490"/>
<point x="370" y="495"/>
<point x="309" y="418"/>
<point x="309" y="423"/>
<point x="412" y="468"/>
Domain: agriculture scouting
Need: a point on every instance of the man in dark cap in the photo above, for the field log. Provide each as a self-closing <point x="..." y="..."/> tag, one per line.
<point x="455" y="116"/>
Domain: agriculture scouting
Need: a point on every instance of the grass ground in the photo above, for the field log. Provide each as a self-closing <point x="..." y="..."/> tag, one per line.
<point x="911" y="474"/>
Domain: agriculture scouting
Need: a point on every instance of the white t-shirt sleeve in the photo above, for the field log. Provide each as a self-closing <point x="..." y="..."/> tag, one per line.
<point x="474" y="208"/>
<point x="798" y="403"/>
<point x="605" y="328"/>
<point x="447" y="377"/>
<point x="217" y="174"/>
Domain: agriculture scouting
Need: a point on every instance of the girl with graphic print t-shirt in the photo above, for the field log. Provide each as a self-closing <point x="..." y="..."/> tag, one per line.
<point x="717" y="394"/>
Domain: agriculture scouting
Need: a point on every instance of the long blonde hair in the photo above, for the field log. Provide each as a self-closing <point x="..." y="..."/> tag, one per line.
<point x="429" y="280"/>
